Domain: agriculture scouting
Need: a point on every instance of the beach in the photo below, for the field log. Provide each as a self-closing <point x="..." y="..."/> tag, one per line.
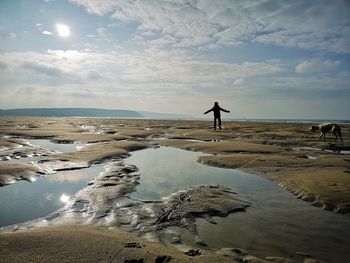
<point x="98" y="222"/>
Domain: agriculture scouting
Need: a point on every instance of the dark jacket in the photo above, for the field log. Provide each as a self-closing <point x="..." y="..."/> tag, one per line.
<point x="216" y="109"/>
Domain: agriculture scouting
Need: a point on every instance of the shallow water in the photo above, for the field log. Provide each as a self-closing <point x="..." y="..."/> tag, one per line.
<point x="25" y="201"/>
<point x="277" y="223"/>
<point x="54" y="147"/>
<point x="35" y="144"/>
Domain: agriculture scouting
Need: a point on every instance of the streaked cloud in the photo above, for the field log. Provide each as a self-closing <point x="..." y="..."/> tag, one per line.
<point x="238" y="82"/>
<point x="321" y="25"/>
<point x="45" y="32"/>
<point x="316" y="65"/>
<point x="150" y="66"/>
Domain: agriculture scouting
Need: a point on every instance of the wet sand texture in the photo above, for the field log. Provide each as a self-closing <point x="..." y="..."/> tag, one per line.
<point x="314" y="170"/>
<point x="10" y="173"/>
<point x="278" y="151"/>
<point x="90" y="244"/>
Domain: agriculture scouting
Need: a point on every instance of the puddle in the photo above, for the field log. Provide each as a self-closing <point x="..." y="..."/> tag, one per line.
<point x="311" y="157"/>
<point x="55" y="147"/>
<point x="276" y="224"/>
<point x="28" y="159"/>
<point x="194" y="140"/>
<point x="166" y="170"/>
<point x="91" y="129"/>
<point x="25" y="201"/>
<point x="35" y="149"/>
<point x="25" y="154"/>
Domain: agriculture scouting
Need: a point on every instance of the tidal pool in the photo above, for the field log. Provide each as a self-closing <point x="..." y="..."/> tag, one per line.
<point x="24" y="201"/>
<point x="17" y="155"/>
<point x="277" y="223"/>
<point x="54" y="147"/>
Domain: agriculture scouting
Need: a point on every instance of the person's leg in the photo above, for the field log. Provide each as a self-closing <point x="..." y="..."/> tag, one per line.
<point x="219" y="120"/>
<point x="214" y="123"/>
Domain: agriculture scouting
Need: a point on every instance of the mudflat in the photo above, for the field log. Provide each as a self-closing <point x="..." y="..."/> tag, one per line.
<point x="315" y="171"/>
<point x="90" y="244"/>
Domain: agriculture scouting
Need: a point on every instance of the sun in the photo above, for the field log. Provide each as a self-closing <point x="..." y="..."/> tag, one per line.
<point x="63" y="30"/>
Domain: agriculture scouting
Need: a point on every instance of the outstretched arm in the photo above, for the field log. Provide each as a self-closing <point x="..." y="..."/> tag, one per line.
<point x="208" y="111"/>
<point x="224" y="110"/>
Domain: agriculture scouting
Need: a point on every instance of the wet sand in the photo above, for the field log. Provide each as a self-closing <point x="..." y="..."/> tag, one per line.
<point x="315" y="171"/>
<point x="90" y="244"/>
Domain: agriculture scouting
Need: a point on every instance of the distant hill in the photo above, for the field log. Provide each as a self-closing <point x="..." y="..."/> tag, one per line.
<point x="71" y="112"/>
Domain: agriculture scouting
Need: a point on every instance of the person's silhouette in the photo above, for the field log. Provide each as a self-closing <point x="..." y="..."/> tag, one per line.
<point x="217" y="116"/>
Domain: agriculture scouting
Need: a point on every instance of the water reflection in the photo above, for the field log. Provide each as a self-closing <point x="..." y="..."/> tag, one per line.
<point x="70" y="176"/>
<point x="276" y="224"/>
<point x="166" y="170"/>
<point x="55" y="147"/>
<point x="24" y="201"/>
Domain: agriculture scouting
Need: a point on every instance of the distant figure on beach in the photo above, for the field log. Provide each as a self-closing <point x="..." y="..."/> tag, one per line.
<point x="217" y="116"/>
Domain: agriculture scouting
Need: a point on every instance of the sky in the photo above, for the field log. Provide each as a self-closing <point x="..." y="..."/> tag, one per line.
<point x="257" y="58"/>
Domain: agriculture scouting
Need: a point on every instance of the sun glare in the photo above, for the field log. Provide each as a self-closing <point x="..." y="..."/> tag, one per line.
<point x="63" y="30"/>
<point x="64" y="198"/>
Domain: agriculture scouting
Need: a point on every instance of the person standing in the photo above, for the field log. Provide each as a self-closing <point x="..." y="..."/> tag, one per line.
<point x="217" y="116"/>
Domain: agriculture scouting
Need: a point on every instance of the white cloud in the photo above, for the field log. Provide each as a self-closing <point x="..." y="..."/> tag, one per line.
<point x="39" y="26"/>
<point x="238" y="82"/>
<point x="12" y="35"/>
<point x="316" y="65"/>
<point x="165" y="77"/>
<point x="158" y="80"/>
<point x="47" y="33"/>
<point x="151" y="66"/>
<point x="101" y="31"/>
<point x="320" y="25"/>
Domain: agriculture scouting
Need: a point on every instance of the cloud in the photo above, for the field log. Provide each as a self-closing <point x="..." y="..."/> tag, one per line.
<point x="141" y="80"/>
<point x="3" y="65"/>
<point x="316" y="65"/>
<point x="93" y="75"/>
<point x="101" y="31"/>
<point x="238" y="82"/>
<point x="154" y="74"/>
<point x="305" y="87"/>
<point x="315" y="25"/>
<point x="150" y="66"/>
<point x="42" y="69"/>
<point x="39" y="26"/>
<point x="47" y="33"/>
